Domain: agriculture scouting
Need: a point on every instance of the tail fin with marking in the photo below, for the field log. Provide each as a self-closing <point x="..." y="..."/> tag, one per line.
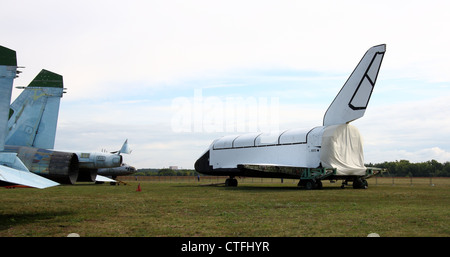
<point x="351" y="102"/>
<point x="34" y="114"/>
<point x="8" y="72"/>
<point x="12" y="169"/>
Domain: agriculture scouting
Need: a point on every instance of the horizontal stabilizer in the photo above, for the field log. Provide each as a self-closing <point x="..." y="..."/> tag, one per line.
<point x="351" y="102"/>
<point x="26" y="178"/>
<point x="100" y="178"/>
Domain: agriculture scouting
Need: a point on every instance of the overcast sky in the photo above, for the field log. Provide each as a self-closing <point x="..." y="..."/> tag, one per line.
<point x="160" y="72"/>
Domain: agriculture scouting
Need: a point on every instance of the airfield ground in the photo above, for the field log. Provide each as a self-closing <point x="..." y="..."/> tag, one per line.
<point x="265" y="208"/>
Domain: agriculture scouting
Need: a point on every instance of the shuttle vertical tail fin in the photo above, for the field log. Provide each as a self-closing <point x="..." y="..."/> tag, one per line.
<point x="351" y="102"/>
<point x="34" y="114"/>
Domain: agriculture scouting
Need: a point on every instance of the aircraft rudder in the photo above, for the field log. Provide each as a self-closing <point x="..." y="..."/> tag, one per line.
<point x="352" y="100"/>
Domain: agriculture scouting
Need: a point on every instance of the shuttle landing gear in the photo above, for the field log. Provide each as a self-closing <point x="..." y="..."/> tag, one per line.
<point x="231" y="182"/>
<point x="309" y="184"/>
<point x="358" y="183"/>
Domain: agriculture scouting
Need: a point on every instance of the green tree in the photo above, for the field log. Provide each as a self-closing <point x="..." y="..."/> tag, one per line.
<point x="166" y="172"/>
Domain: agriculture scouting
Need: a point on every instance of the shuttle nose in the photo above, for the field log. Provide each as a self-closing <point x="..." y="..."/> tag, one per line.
<point x="202" y="164"/>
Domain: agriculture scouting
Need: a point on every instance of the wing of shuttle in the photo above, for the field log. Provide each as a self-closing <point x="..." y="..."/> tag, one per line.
<point x="270" y="168"/>
<point x="351" y="102"/>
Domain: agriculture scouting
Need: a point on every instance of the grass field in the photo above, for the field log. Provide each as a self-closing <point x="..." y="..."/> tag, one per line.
<point x="185" y="208"/>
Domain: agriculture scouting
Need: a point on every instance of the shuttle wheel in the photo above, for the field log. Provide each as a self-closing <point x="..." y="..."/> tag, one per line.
<point x="310" y="184"/>
<point x="231" y="182"/>
<point x="319" y="184"/>
<point x="360" y="183"/>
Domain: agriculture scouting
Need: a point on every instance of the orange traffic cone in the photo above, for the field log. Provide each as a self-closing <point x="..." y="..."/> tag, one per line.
<point x="139" y="188"/>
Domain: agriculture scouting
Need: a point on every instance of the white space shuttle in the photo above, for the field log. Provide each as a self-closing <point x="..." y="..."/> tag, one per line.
<point x="12" y="169"/>
<point x="32" y="124"/>
<point x="332" y="151"/>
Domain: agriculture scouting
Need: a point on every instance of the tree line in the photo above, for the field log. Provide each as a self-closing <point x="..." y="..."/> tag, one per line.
<point x="405" y="168"/>
<point x="402" y="168"/>
<point x="166" y="172"/>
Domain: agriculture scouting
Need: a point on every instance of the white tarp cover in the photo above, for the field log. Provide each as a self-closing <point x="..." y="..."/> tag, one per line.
<point x="342" y="149"/>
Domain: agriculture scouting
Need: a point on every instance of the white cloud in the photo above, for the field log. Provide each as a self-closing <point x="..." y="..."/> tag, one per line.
<point x="93" y="43"/>
<point x="415" y="130"/>
<point x="422" y="155"/>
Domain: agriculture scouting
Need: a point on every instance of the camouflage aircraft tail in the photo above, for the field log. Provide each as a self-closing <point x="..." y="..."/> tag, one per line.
<point x="34" y="114"/>
<point x="12" y="169"/>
